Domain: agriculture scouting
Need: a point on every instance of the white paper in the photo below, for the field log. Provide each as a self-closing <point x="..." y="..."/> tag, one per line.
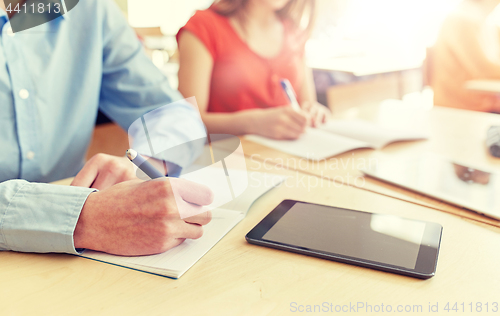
<point x="314" y="144"/>
<point x="178" y="260"/>
<point x="372" y="134"/>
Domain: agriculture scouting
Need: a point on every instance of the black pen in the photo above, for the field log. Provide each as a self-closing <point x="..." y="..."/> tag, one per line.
<point x="144" y="165"/>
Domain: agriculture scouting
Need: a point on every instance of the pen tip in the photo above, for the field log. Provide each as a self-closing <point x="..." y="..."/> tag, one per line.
<point x="131" y="154"/>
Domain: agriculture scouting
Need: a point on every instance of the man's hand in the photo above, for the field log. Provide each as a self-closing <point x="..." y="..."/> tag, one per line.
<point x="318" y="113"/>
<point x="103" y="171"/>
<point x="142" y="218"/>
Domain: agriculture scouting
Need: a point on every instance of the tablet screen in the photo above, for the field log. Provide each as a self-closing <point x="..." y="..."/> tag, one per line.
<point x="381" y="238"/>
<point x="446" y="180"/>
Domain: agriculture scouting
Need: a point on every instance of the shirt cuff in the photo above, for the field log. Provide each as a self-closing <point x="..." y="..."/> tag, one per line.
<point x="42" y="218"/>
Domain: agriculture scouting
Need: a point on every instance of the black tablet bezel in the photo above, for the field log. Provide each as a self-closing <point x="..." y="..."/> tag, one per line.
<point x="425" y="266"/>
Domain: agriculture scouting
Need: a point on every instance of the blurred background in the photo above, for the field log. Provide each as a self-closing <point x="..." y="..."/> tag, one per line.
<point x="375" y="47"/>
<point x="364" y="52"/>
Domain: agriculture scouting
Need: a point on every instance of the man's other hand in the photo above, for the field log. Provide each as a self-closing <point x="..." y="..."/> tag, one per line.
<point x="142" y="218"/>
<point x="103" y="171"/>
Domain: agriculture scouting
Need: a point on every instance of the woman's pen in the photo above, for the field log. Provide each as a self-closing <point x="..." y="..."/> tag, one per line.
<point x="287" y="87"/>
<point x="144" y="165"/>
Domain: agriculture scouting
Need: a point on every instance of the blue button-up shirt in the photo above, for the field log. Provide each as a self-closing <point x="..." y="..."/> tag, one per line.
<point x="53" y="79"/>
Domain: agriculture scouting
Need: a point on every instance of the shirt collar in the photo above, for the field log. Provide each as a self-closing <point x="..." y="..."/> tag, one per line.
<point x="63" y="8"/>
<point x="3" y="18"/>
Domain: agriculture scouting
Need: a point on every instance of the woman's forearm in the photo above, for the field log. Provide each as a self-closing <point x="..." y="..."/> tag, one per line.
<point x="235" y="123"/>
<point x="308" y="91"/>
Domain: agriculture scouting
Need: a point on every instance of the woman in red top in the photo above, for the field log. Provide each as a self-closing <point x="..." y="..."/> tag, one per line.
<point x="232" y="58"/>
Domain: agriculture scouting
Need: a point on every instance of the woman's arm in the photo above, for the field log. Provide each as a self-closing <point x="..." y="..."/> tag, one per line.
<point x="195" y="73"/>
<point x="308" y="100"/>
<point x="308" y="91"/>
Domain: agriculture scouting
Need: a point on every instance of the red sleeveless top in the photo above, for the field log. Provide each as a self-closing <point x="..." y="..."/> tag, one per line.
<point x="242" y="79"/>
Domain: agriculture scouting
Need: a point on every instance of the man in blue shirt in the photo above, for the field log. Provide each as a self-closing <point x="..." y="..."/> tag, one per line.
<point x="53" y="79"/>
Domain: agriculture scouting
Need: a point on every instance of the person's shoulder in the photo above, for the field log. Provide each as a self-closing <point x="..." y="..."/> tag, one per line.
<point x="207" y="18"/>
<point x="210" y="28"/>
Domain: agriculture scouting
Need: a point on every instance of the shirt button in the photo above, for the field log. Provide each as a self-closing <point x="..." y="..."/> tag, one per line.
<point x="24" y="94"/>
<point x="30" y="155"/>
<point x="10" y="32"/>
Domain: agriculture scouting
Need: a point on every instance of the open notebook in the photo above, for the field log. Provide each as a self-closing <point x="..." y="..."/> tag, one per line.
<point x="336" y="137"/>
<point x="176" y="261"/>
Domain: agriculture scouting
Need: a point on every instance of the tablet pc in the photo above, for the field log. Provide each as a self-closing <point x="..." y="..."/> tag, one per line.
<point x="451" y="181"/>
<point x="383" y="242"/>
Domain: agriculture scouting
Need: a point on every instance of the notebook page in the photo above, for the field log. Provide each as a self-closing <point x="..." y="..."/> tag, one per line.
<point x="179" y="259"/>
<point x="370" y="133"/>
<point x="226" y="184"/>
<point x="238" y="190"/>
<point x="314" y="144"/>
<point x="258" y="184"/>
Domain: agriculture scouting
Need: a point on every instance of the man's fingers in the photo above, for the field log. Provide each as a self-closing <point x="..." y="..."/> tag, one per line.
<point x="190" y="231"/>
<point x="200" y="219"/>
<point x="190" y="197"/>
<point x="86" y="176"/>
<point x="187" y="209"/>
<point x="103" y="182"/>
<point x="173" y="243"/>
<point x="103" y="171"/>
<point x="192" y="192"/>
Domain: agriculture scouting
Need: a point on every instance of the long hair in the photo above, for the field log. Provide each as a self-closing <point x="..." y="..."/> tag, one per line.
<point x="300" y="13"/>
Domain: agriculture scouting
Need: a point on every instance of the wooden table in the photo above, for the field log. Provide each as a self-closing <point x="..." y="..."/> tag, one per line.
<point x="236" y="278"/>
<point x="456" y="134"/>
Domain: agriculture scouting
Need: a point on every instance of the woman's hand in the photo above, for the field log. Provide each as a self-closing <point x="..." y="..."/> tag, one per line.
<point x="317" y="112"/>
<point x="278" y="123"/>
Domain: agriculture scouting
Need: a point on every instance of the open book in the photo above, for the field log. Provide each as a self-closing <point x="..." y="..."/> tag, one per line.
<point x="176" y="261"/>
<point x="336" y="137"/>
